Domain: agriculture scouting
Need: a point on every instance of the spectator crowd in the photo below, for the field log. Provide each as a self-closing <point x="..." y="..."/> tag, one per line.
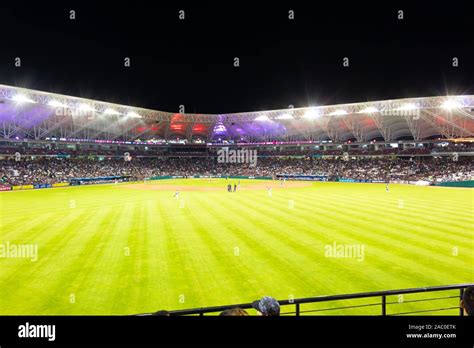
<point x="49" y="170"/>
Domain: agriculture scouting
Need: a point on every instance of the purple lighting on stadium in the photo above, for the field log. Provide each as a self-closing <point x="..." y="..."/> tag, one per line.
<point x="244" y="129"/>
<point x="219" y="130"/>
<point x="27" y="114"/>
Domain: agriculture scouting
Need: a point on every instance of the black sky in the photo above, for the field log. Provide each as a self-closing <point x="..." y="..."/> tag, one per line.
<point x="282" y="61"/>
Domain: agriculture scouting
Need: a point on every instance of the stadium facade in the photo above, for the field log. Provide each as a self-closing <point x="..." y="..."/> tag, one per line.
<point x="34" y="115"/>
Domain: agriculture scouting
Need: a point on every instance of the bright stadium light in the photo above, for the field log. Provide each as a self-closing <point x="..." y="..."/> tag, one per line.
<point x="133" y="114"/>
<point x="311" y="114"/>
<point x="408" y="106"/>
<point x="86" y="107"/>
<point x="20" y="98"/>
<point x="262" y="118"/>
<point x="111" y="112"/>
<point x="368" y="110"/>
<point x="284" y="117"/>
<point x="450" y="104"/>
<point x="56" y="104"/>
<point x="339" y="112"/>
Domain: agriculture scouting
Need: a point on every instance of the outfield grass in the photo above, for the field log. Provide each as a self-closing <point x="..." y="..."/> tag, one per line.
<point x="114" y="249"/>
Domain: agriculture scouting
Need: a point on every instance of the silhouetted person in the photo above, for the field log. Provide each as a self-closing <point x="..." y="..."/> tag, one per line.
<point x="267" y="306"/>
<point x="234" y="312"/>
<point x="467" y="301"/>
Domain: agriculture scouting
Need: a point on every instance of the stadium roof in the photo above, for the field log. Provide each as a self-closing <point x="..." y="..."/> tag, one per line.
<point x="32" y="114"/>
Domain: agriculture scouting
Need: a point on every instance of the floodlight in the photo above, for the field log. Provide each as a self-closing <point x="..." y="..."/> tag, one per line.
<point x="311" y="114"/>
<point x="284" y="117"/>
<point x="133" y="114"/>
<point x="450" y="104"/>
<point x="111" y="112"/>
<point x="339" y="112"/>
<point x="262" y="118"/>
<point x="57" y="104"/>
<point x="408" y="106"/>
<point x="368" y="110"/>
<point x="86" y="107"/>
<point x="20" y="98"/>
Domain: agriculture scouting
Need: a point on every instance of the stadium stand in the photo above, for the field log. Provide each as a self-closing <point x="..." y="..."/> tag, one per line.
<point x="56" y="170"/>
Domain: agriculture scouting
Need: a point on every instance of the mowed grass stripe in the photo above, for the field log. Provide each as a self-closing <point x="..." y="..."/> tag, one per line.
<point x="49" y="242"/>
<point x="82" y="278"/>
<point x="455" y="217"/>
<point x="56" y="260"/>
<point x="384" y="239"/>
<point x="211" y="236"/>
<point x="340" y="278"/>
<point x="269" y="253"/>
<point x="392" y="238"/>
<point x="304" y="252"/>
<point x="364" y="211"/>
<point x="255" y="244"/>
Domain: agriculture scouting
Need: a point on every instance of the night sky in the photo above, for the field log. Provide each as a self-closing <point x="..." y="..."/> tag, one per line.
<point x="282" y="61"/>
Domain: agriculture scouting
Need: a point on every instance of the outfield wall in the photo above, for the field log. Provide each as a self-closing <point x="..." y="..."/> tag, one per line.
<point x="303" y="177"/>
<point x="208" y="177"/>
<point x="469" y="183"/>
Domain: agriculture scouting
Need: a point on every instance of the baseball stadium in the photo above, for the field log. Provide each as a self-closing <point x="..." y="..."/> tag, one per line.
<point x="350" y="209"/>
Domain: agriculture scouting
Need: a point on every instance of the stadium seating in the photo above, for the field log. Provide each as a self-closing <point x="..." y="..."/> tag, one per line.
<point x="49" y="170"/>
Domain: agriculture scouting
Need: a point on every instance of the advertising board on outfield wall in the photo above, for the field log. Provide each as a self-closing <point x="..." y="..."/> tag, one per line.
<point x="303" y="177"/>
<point x="61" y="184"/>
<point x="23" y="187"/>
<point x="40" y="186"/>
<point x="5" y="188"/>
<point x="217" y="176"/>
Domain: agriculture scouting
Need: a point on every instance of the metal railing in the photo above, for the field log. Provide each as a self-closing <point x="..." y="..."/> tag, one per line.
<point x="381" y="295"/>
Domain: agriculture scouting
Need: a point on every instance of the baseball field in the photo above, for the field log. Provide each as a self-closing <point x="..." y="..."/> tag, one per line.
<point x="139" y="247"/>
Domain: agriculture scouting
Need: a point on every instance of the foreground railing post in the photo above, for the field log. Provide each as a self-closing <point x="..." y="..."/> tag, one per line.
<point x="384" y="305"/>
<point x="461" y="311"/>
<point x="297" y="309"/>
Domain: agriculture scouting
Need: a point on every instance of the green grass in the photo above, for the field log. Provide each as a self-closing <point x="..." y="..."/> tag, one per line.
<point x="188" y="252"/>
